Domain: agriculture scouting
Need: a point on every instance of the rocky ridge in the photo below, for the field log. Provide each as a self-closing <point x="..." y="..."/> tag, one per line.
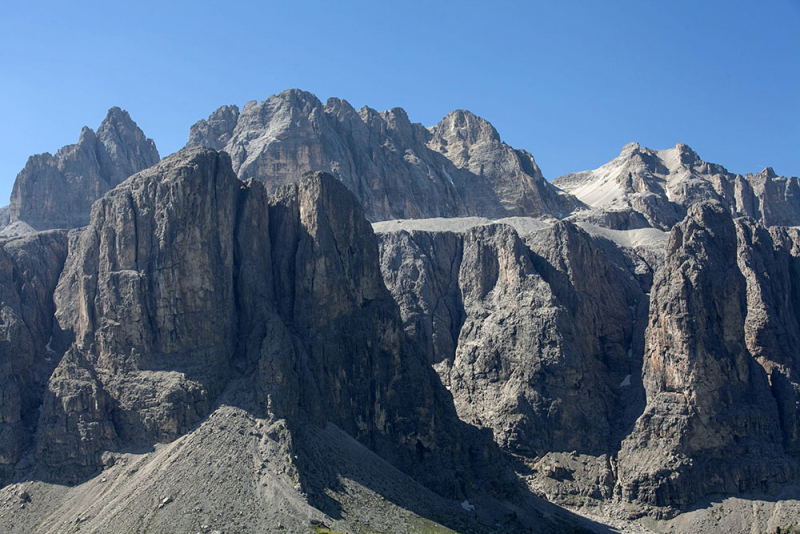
<point x="187" y="276"/>
<point x="618" y="358"/>
<point x="646" y="187"/>
<point x="57" y="191"/>
<point x="711" y="379"/>
<point x="279" y="309"/>
<point x="397" y="169"/>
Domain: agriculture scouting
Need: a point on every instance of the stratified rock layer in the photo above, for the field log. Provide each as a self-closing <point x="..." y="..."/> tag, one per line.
<point x="709" y="402"/>
<point x="396" y="168"/>
<point x="533" y="340"/>
<point x="58" y="191"/>
<point x="187" y="276"/>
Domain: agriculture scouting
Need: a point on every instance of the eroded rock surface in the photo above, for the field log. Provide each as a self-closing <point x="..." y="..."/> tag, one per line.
<point x="645" y="187"/>
<point x="58" y="191"/>
<point x="396" y="168"/>
<point x="29" y="270"/>
<point x="187" y="277"/>
<point x="534" y="338"/>
<point x="709" y="401"/>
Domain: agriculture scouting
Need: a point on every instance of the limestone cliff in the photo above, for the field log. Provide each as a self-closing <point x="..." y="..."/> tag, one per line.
<point x="396" y="168"/>
<point x="646" y="187"/>
<point x="187" y="278"/>
<point x="709" y="402"/>
<point x="29" y="270"/>
<point x="533" y="338"/>
<point x="58" y="191"/>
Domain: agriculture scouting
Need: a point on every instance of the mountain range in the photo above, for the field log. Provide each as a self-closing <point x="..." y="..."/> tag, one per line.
<point x="315" y="318"/>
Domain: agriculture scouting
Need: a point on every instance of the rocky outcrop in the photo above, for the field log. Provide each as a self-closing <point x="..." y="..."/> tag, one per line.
<point x="533" y="340"/>
<point x="187" y="277"/>
<point x="777" y="198"/>
<point x="58" y="191"/>
<point x="709" y="401"/>
<point x="655" y="188"/>
<point x="147" y="291"/>
<point x="396" y="168"/>
<point x="768" y="258"/>
<point x="29" y="270"/>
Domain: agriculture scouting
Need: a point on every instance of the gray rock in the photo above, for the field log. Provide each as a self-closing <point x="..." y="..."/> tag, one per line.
<point x="768" y="258"/>
<point x="147" y="292"/>
<point x="532" y="340"/>
<point x="397" y="169"/>
<point x="58" y="191"/>
<point x="656" y="187"/>
<point x="29" y="270"/>
<point x="187" y="276"/>
<point x="709" y="402"/>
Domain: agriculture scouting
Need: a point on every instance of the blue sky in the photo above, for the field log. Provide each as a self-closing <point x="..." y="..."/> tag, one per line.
<point x="570" y="81"/>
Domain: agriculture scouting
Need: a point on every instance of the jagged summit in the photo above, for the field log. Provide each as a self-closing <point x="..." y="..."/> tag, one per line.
<point x="57" y="191"/>
<point x="466" y="126"/>
<point x="646" y="187"/>
<point x="396" y="168"/>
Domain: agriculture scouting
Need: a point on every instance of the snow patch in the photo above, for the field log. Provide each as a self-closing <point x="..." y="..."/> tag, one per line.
<point x="467" y="506"/>
<point x="626" y="382"/>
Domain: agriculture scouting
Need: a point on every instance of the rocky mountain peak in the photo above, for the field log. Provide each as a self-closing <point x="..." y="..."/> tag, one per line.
<point x="686" y="155"/>
<point x="769" y="173"/>
<point x="396" y="168"/>
<point x="646" y="187"/>
<point x="629" y="149"/>
<point x="217" y="130"/>
<point x="465" y="127"/>
<point x="58" y="191"/>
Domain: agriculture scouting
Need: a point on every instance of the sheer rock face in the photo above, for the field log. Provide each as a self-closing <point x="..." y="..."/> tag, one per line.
<point x="656" y="187"/>
<point x="58" y="191"/>
<point x="708" y="399"/>
<point x="147" y="291"/>
<point x="187" y="276"/>
<point x="529" y="341"/>
<point x="217" y="130"/>
<point x="397" y="169"/>
<point x="777" y="198"/>
<point x="768" y="258"/>
<point x="29" y="270"/>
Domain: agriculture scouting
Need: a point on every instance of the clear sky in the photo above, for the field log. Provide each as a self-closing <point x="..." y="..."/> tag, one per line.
<point x="569" y="81"/>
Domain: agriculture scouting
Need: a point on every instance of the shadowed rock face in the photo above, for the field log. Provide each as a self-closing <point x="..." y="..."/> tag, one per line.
<point x="29" y="270"/>
<point x="397" y="169"/>
<point x="532" y="339"/>
<point x="187" y="276"/>
<point x="58" y="191"/>
<point x="522" y="331"/>
<point x="768" y="258"/>
<point x="708" y="400"/>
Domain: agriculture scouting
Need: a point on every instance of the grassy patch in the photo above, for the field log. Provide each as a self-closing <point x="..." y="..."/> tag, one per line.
<point x="319" y="529"/>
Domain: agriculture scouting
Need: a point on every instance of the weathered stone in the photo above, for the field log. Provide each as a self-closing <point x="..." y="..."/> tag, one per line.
<point x="58" y="191"/>
<point x="708" y="401"/>
<point x="397" y="169"/>
<point x="29" y="270"/>
<point x="187" y="276"/>
<point x="533" y="346"/>
<point x="658" y="186"/>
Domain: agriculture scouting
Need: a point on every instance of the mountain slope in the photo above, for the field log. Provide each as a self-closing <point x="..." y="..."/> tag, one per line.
<point x="645" y="187"/>
<point x="396" y="168"/>
<point x="58" y="191"/>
